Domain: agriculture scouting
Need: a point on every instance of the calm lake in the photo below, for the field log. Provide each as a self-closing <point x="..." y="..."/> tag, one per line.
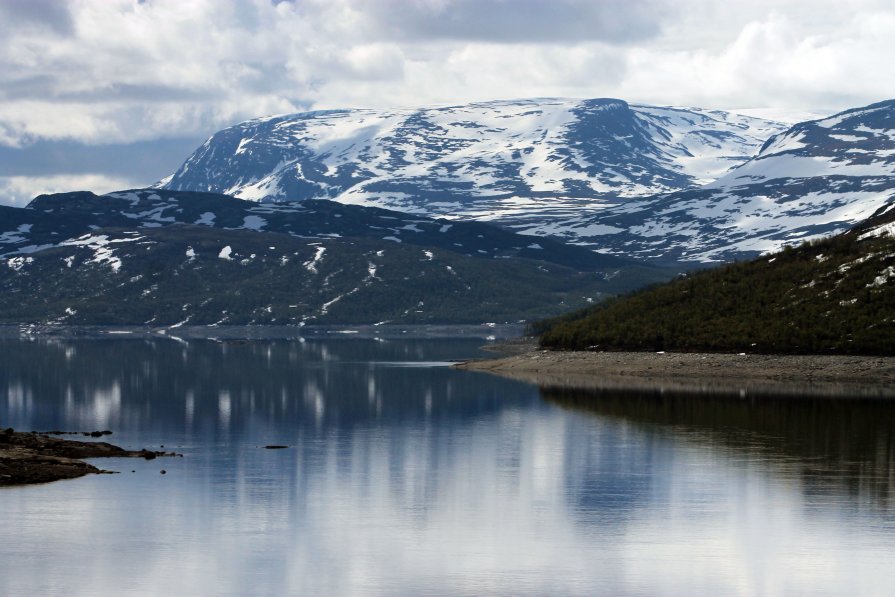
<point x="405" y="477"/>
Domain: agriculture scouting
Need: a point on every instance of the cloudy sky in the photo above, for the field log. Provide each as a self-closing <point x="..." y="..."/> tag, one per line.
<point x="106" y="94"/>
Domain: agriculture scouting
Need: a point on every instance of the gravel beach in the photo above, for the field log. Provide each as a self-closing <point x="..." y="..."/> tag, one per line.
<point x="713" y="372"/>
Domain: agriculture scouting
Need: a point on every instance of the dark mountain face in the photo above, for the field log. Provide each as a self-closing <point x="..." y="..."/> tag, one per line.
<point x="162" y="258"/>
<point x="312" y="220"/>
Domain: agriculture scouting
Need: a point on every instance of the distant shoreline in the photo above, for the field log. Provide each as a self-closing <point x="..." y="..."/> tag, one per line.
<point x="735" y="374"/>
<point x="484" y="331"/>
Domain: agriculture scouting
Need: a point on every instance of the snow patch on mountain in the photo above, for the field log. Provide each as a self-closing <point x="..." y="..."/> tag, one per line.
<point x="103" y="253"/>
<point x="311" y="264"/>
<point x="206" y="219"/>
<point x="881" y="230"/>
<point x="17" y="263"/>
<point x="19" y="235"/>
<point x="254" y="223"/>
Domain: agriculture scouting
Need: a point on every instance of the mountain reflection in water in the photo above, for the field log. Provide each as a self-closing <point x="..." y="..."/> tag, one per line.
<point x="405" y="477"/>
<point x="220" y="387"/>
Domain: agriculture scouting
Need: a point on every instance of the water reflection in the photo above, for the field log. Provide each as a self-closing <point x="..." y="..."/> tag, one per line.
<point x="218" y="385"/>
<point x="826" y="444"/>
<point x="423" y="480"/>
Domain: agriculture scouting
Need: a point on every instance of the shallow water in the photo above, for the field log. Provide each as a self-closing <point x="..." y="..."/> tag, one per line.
<point x="404" y="477"/>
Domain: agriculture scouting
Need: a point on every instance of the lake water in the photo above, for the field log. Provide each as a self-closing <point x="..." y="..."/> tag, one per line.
<point x="404" y="477"/>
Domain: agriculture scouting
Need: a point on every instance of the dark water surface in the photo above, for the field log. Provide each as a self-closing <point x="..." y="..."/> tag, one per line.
<point x="404" y="477"/>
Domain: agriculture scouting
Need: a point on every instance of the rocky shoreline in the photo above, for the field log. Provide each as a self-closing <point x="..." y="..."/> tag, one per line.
<point x="33" y="457"/>
<point x="828" y="375"/>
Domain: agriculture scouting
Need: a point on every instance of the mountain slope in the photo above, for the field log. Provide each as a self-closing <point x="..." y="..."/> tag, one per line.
<point x="816" y="179"/>
<point x="167" y="258"/>
<point x="834" y="295"/>
<point x="503" y="161"/>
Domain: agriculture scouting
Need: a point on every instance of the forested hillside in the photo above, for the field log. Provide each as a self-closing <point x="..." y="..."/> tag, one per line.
<point x="836" y="295"/>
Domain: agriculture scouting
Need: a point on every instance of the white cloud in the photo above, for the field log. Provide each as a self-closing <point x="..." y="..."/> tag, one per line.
<point x="516" y="21"/>
<point x="19" y="190"/>
<point x="123" y="70"/>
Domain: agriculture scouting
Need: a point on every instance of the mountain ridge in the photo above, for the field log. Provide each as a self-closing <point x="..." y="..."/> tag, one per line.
<point x="166" y="258"/>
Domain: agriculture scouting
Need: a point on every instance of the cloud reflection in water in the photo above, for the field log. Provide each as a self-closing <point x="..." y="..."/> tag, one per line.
<point x="416" y="480"/>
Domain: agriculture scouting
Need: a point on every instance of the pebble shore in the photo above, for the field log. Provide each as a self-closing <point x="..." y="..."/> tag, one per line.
<point x="713" y="372"/>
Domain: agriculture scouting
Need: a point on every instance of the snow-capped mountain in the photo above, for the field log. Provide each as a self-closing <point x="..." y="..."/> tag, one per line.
<point x="813" y="180"/>
<point x="665" y="184"/>
<point x="516" y="163"/>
